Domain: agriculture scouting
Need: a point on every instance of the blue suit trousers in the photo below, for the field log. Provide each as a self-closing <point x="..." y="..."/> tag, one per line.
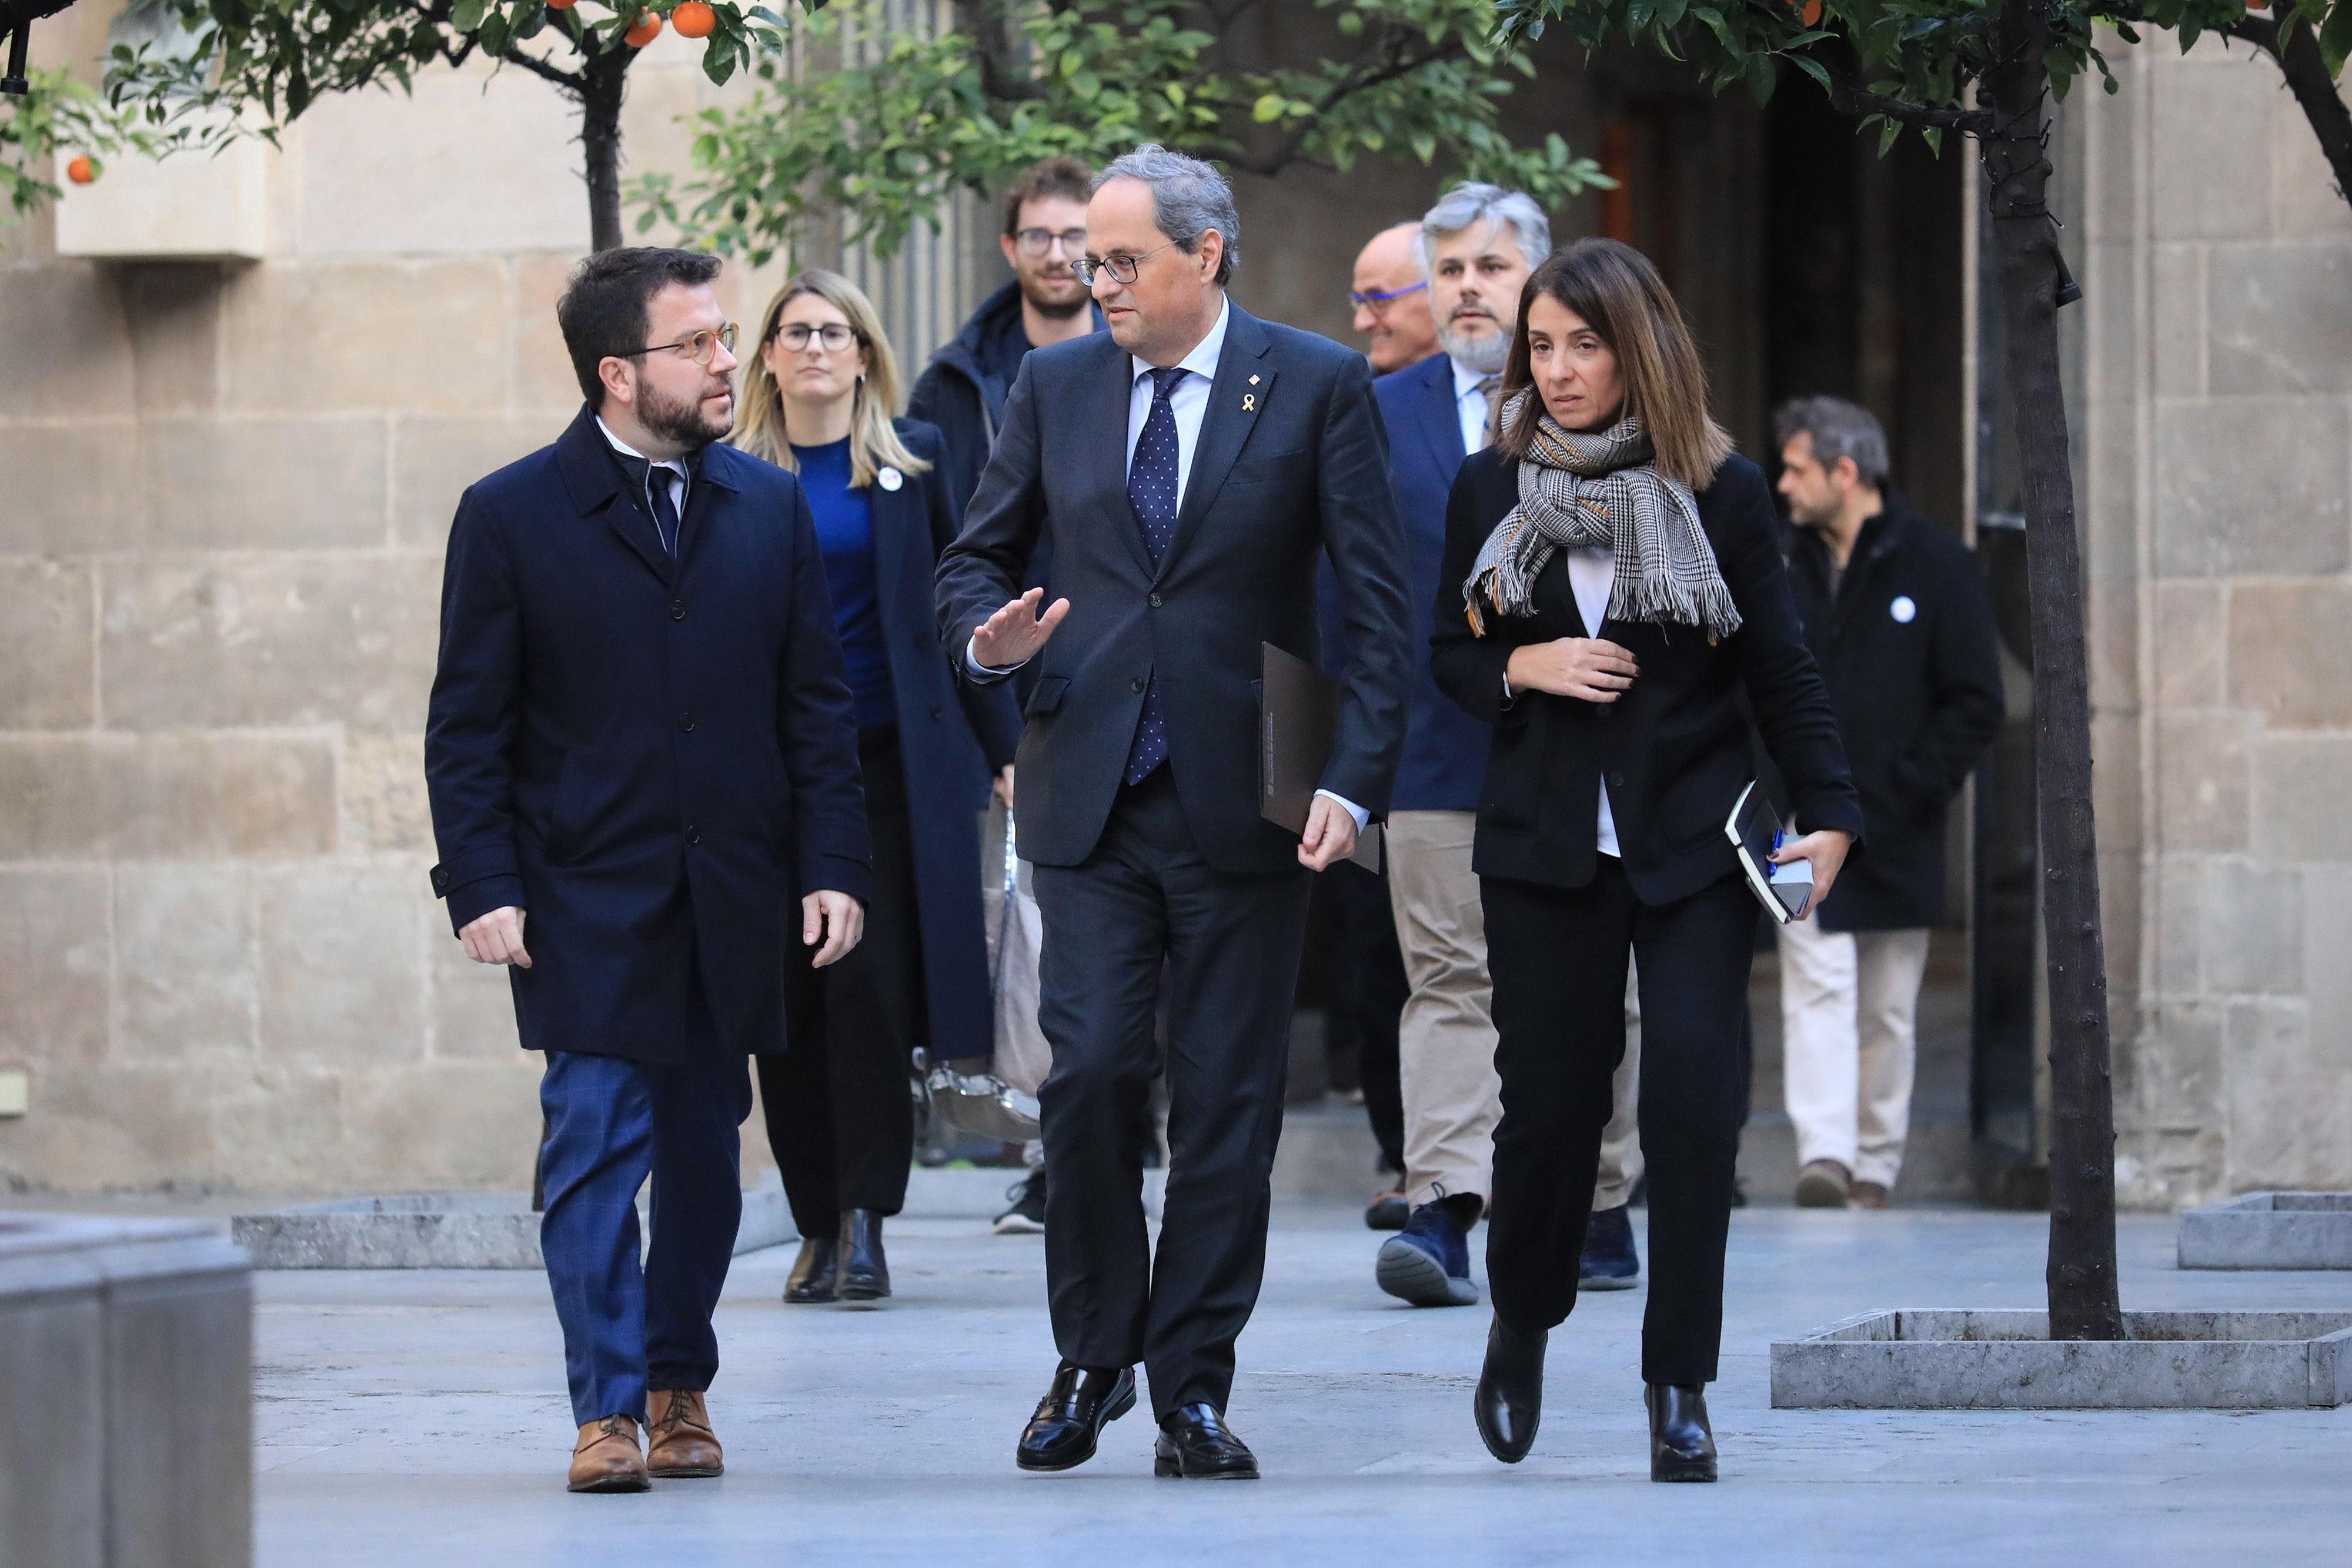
<point x="611" y="1124"/>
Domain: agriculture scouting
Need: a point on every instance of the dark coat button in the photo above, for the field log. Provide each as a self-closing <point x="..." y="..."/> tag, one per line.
<point x="1136" y="686"/>
<point x="1155" y="602"/>
<point x="440" y="879"/>
<point x="677" y="609"/>
<point x="686" y="722"/>
<point x="693" y="834"/>
<point x="939" y="711"/>
<point x="1616" y="781"/>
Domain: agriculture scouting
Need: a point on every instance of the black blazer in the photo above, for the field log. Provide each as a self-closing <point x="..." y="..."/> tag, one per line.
<point x="1676" y="748"/>
<point x="1907" y="651"/>
<point x="653" y="758"/>
<point x="951" y="740"/>
<point x="1291" y="459"/>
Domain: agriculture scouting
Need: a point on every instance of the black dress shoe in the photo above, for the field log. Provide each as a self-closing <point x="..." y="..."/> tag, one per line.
<point x="1682" y="1444"/>
<point x="1195" y="1444"/>
<point x="865" y="1272"/>
<point x="815" y="1272"/>
<point x="1081" y="1403"/>
<point x="1509" y="1401"/>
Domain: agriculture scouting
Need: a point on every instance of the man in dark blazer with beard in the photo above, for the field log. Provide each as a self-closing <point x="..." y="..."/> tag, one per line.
<point x="1185" y="467"/>
<point x="640" y="747"/>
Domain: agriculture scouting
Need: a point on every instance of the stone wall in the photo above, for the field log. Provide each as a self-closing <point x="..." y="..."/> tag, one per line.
<point x="227" y="486"/>
<point x="2217" y="461"/>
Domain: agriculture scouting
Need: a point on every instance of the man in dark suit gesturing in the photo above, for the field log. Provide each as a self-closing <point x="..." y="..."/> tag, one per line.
<point x="640" y="742"/>
<point x="1185" y="468"/>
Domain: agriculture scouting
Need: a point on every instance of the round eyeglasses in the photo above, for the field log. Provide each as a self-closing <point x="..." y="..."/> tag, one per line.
<point x="1122" y="268"/>
<point x="1040" y="242"/>
<point x="833" y="337"/>
<point x="700" y="347"/>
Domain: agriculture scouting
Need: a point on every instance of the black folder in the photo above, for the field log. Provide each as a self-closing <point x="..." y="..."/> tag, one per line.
<point x="1297" y="723"/>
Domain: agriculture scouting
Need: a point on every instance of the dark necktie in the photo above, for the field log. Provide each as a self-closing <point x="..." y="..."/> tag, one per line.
<point x="665" y="509"/>
<point x="1491" y="388"/>
<point x="1152" y="490"/>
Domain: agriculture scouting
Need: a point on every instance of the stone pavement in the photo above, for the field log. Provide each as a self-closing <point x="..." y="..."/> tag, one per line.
<point x="420" y="1418"/>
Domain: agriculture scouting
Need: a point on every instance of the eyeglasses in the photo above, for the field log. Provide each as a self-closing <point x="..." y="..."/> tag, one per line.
<point x="1122" y="268"/>
<point x="1377" y="304"/>
<point x="834" y="335"/>
<point x="1040" y="242"/>
<point x="701" y="346"/>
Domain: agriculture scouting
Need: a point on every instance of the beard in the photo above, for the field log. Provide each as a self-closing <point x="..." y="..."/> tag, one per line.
<point x="1053" y="308"/>
<point x="1486" y="355"/>
<point x="684" y="421"/>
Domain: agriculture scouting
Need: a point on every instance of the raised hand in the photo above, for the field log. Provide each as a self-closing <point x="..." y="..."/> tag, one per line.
<point x="1014" y="634"/>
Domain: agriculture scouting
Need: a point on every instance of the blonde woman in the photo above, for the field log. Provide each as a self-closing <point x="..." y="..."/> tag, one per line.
<point x="1613" y="603"/>
<point x="820" y="386"/>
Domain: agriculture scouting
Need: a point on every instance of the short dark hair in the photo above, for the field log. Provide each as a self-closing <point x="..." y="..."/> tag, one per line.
<point x="1061" y="175"/>
<point x="602" y="311"/>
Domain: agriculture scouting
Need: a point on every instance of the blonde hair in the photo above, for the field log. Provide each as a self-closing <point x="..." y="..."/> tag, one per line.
<point x="1616" y="291"/>
<point x="874" y="445"/>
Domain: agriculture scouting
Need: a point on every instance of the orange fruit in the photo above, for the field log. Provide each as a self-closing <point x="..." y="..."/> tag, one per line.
<point x="81" y="171"/>
<point x="1811" y="15"/>
<point x="561" y="4"/>
<point x="648" y="27"/>
<point x="694" y="19"/>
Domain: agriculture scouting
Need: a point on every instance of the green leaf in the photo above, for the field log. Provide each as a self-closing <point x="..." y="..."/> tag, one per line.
<point x="2336" y="39"/>
<point x="1889" y="136"/>
<point x="1933" y="137"/>
<point x="1811" y="67"/>
<point x="493" y="32"/>
<point x="1761" y="79"/>
<point x="718" y="61"/>
<point x="465" y="16"/>
<point x="1267" y="108"/>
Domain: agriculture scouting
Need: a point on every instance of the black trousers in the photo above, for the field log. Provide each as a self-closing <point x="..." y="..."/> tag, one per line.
<point x="1368" y="997"/>
<point x="839" y="1110"/>
<point x="1229" y="944"/>
<point x="1559" y="964"/>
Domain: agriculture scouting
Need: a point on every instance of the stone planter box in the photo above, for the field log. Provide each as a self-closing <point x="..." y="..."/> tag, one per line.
<point x="444" y="1230"/>
<point x="2270" y="1230"/>
<point x="126" y="1394"/>
<point x="2003" y="1360"/>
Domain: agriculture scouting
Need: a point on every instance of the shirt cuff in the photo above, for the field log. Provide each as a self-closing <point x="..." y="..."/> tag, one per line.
<point x="1363" y="818"/>
<point x="972" y="661"/>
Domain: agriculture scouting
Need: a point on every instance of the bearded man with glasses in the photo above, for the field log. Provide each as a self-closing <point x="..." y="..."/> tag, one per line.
<point x="640" y="741"/>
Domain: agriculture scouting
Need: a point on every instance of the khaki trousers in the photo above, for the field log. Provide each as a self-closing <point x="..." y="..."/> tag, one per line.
<point x="1849" y="1021"/>
<point x="1445" y="1040"/>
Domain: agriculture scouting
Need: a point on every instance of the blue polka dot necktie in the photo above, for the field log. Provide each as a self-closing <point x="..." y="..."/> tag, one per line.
<point x="1152" y="490"/>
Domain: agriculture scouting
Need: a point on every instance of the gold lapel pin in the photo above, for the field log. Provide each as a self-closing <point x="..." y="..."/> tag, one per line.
<point x="1249" y="402"/>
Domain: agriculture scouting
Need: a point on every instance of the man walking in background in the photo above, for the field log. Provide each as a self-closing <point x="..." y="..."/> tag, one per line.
<point x="1479" y="243"/>
<point x="1186" y="471"/>
<point x="962" y="392"/>
<point x="640" y="741"/>
<point x="1896" y="613"/>
<point x="1390" y="294"/>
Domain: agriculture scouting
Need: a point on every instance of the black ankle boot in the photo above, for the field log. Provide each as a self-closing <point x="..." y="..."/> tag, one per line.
<point x="1509" y="1401"/>
<point x="1682" y="1444"/>
<point x="865" y="1272"/>
<point x="813" y="1274"/>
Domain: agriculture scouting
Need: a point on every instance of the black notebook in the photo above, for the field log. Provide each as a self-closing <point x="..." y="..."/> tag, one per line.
<point x="1298" y="724"/>
<point x="1755" y="832"/>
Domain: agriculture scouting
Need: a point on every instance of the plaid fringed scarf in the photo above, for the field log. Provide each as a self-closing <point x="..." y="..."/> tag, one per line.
<point x="1579" y="489"/>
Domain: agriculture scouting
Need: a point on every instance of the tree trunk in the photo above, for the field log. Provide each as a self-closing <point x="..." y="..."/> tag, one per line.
<point x="2084" y="1301"/>
<point x="2297" y="53"/>
<point x="606" y="81"/>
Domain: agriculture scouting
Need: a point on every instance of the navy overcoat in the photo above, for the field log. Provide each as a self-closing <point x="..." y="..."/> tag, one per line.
<point x="953" y="737"/>
<point x="653" y="758"/>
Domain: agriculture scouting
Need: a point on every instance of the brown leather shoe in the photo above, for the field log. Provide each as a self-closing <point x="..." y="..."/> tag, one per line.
<point x="1823" y="1184"/>
<point x="606" y="1459"/>
<point x="1869" y="1195"/>
<point x="682" y="1443"/>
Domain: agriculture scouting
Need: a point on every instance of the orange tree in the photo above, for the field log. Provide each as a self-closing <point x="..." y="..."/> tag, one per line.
<point x="252" y="66"/>
<point x="901" y="121"/>
<point x="1986" y="70"/>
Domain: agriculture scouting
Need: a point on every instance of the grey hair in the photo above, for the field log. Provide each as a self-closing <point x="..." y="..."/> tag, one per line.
<point x="1839" y="429"/>
<point x="1189" y="198"/>
<point x="1470" y="202"/>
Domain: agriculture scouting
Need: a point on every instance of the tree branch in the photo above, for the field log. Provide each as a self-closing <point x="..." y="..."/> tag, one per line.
<point x="989" y="25"/>
<point x="1847" y="97"/>
<point x="2297" y="54"/>
<point x="569" y="81"/>
<point x="1403" y="62"/>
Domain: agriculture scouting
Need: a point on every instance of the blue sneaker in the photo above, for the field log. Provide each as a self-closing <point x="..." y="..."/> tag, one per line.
<point x="1610" y="1263"/>
<point x="1428" y="1262"/>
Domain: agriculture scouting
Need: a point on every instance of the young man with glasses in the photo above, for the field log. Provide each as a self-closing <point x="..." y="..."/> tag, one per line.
<point x="640" y="742"/>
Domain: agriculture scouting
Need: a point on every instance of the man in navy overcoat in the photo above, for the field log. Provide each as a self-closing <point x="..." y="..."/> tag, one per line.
<point x="640" y="747"/>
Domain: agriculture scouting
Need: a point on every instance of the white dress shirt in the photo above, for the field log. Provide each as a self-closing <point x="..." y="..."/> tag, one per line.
<point x="672" y="468"/>
<point x="1469" y="406"/>
<point x="1590" y="574"/>
<point x="1189" y="402"/>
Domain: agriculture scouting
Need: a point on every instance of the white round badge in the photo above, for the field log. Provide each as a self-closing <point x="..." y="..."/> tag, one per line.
<point x="1903" y="610"/>
<point x="890" y="479"/>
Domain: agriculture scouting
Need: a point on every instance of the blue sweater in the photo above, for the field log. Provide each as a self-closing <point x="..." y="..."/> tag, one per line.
<point x="845" y="535"/>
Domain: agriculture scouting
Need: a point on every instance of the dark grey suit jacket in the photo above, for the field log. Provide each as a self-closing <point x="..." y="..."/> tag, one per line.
<point x="1292" y="458"/>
